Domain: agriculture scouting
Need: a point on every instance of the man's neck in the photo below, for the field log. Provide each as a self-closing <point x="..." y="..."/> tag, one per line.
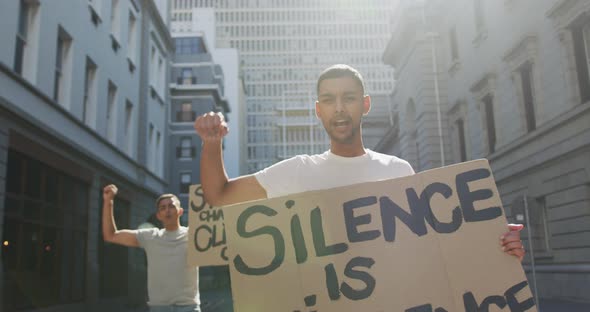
<point x="345" y="150"/>
<point x="172" y="227"/>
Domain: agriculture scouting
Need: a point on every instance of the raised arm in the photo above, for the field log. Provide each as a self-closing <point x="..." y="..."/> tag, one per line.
<point x="109" y="229"/>
<point x="217" y="188"/>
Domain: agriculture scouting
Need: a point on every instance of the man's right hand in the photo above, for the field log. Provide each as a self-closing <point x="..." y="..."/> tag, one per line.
<point x="109" y="192"/>
<point x="211" y="126"/>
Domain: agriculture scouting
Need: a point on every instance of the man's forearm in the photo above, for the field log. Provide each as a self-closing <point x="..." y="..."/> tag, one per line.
<point x="213" y="175"/>
<point x="108" y="222"/>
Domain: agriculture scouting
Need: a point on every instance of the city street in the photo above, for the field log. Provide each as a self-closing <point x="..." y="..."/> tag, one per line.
<point x="381" y="155"/>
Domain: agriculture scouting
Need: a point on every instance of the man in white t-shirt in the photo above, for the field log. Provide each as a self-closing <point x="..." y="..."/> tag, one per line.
<point x="340" y="106"/>
<point x="172" y="285"/>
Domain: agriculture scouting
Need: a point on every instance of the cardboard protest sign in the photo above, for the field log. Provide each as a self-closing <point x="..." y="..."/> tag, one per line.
<point x="206" y="243"/>
<point x="427" y="242"/>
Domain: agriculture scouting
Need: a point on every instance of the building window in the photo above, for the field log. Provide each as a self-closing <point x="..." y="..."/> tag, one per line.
<point x="488" y="103"/>
<point x="479" y="15"/>
<point x="89" y="101"/>
<point x="158" y="153"/>
<point x="111" y="112"/>
<point x="63" y="58"/>
<point x="129" y="128"/>
<point x="186" y="114"/>
<point x="185" y="182"/>
<point x="533" y="213"/>
<point x="44" y="235"/>
<point x="460" y="126"/>
<point x="190" y="46"/>
<point x="453" y="44"/>
<point x="131" y="37"/>
<point x="151" y="156"/>
<point x="115" y="24"/>
<point x="526" y="73"/>
<point x="27" y="40"/>
<point x="95" y="6"/>
<point x="572" y="23"/>
<point x="522" y="59"/>
<point x="581" y="41"/>
<point x="540" y="226"/>
<point x="480" y="24"/>
<point x="21" y="35"/>
<point x="483" y="91"/>
<point x="186" y="149"/>
<point x="160" y="81"/>
<point x="153" y="67"/>
<point x="187" y="77"/>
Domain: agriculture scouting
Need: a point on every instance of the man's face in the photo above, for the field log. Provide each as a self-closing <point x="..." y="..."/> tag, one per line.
<point x="169" y="210"/>
<point x="340" y="106"/>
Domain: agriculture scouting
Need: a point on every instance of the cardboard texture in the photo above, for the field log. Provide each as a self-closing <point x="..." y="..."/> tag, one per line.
<point x="427" y="242"/>
<point x="207" y="242"/>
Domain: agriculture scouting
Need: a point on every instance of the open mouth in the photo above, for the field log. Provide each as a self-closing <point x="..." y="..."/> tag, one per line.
<point x="341" y="123"/>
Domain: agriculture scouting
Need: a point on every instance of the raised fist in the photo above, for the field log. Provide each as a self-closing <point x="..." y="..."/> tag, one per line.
<point x="211" y="126"/>
<point x="109" y="192"/>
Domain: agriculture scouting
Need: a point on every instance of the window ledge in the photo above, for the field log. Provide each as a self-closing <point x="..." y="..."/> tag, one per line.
<point x="455" y="66"/>
<point x="94" y="15"/>
<point x="155" y="95"/>
<point x="115" y="42"/>
<point x="131" y="64"/>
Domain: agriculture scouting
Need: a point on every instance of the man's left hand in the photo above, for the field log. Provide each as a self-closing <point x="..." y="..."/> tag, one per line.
<point x="511" y="242"/>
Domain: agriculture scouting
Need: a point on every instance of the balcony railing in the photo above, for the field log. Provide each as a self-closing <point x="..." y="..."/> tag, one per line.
<point x="186" y="80"/>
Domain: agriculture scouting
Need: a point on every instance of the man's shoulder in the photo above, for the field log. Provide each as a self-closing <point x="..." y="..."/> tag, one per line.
<point x="149" y="232"/>
<point x="385" y="157"/>
<point x="305" y="159"/>
<point x="392" y="161"/>
<point x="183" y="230"/>
<point x="315" y="157"/>
<point x="147" y="235"/>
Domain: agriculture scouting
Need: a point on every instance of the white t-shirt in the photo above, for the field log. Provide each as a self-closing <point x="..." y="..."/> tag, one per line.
<point x="170" y="280"/>
<point x="304" y="173"/>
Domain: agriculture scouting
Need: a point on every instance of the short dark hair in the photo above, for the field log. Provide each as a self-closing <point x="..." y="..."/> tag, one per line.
<point x="338" y="71"/>
<point x="165" y="196"/>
